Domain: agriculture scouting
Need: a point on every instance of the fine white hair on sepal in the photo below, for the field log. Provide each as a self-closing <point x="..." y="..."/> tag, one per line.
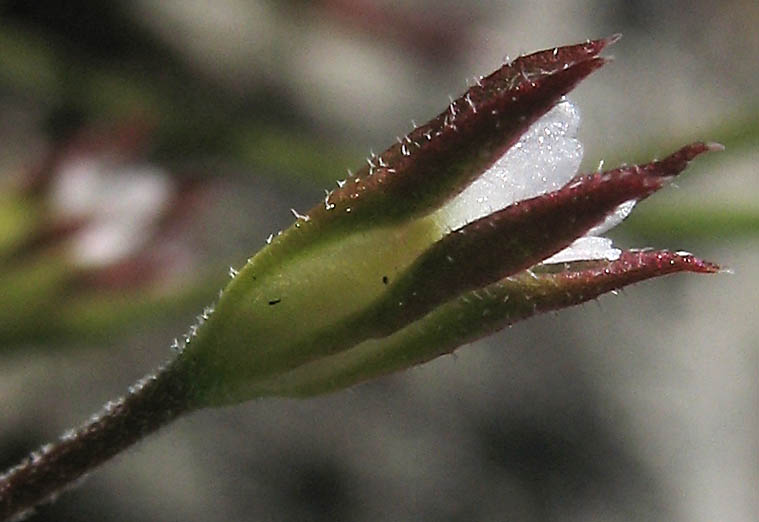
<point x="586" y="248"/>
<point x="544" y="159"/>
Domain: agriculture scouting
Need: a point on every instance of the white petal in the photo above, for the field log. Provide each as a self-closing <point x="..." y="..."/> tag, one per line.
<point x="586" y="248"/>
<point x="613" y="219"/>
<point x="546" y="157"/>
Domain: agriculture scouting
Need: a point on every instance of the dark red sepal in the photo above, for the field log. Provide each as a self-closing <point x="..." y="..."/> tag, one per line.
<point x="522" y="235"/>
<point x="436" y="161"/>
<point x="572" y="287"/>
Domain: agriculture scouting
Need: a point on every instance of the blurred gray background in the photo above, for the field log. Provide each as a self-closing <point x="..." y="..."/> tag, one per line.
<point x="644" y="406"/>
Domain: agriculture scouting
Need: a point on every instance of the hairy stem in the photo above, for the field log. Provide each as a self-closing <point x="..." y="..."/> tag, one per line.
<point x="152" y="402"/>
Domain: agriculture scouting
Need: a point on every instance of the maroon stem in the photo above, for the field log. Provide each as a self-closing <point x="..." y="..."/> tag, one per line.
<point x="154" y="401"/>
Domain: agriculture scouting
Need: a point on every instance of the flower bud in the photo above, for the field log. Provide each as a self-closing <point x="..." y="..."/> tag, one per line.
<point x="359" y="285"/>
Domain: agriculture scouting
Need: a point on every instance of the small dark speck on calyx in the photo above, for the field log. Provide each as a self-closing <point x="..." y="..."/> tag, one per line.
<point x="384" y="280"/>
<point x="274" y="301"/>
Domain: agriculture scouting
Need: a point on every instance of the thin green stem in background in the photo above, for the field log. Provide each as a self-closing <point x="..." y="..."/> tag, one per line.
<point x="703" y="222"/>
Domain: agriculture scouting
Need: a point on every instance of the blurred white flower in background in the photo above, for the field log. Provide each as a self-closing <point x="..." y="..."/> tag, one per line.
<point x="121" y="206"/>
